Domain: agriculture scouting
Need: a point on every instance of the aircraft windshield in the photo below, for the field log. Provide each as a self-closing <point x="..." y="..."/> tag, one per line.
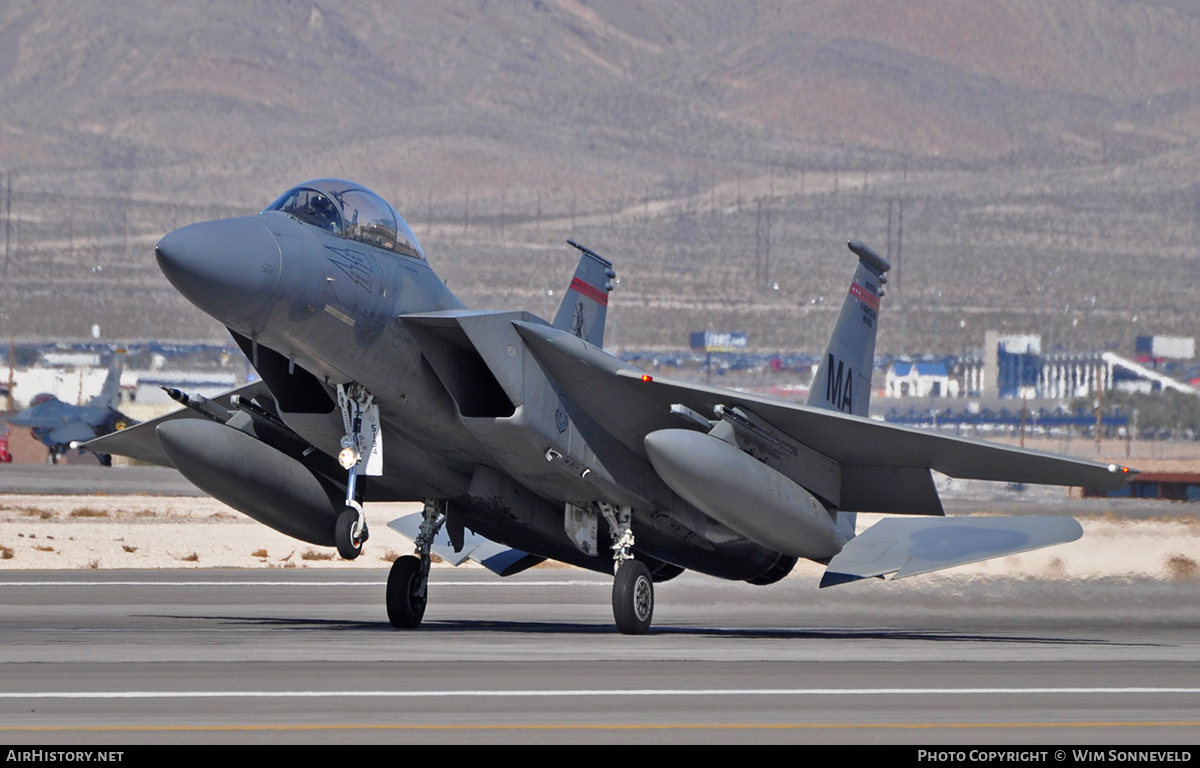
<point x="352" y="212"/>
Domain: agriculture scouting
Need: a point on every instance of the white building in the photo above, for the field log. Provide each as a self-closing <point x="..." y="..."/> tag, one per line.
<point x="919" y="380"/>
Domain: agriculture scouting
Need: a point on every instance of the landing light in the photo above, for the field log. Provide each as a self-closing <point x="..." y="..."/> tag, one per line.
<point x="348" y="458"/>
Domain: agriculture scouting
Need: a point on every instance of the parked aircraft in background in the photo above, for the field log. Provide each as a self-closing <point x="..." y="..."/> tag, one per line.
<point x="527" y="441"/>
<point x="62" y="426"/>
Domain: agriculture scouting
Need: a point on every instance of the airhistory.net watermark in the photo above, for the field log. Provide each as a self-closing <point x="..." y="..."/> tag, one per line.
<point x="61" y="756"/>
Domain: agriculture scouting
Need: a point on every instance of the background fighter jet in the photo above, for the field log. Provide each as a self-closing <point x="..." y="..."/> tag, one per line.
<point x="58" y="425"/>
<point x="526" y="440"/>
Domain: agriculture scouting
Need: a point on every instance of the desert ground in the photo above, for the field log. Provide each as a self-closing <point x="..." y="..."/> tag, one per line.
<point x="1122" y="538"/>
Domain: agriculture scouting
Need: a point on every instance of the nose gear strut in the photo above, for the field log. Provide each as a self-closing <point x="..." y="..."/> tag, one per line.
<point x="362" y="452"/>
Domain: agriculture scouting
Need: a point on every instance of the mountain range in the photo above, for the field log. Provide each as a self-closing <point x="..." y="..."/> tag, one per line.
<point x="1036" y="160"/>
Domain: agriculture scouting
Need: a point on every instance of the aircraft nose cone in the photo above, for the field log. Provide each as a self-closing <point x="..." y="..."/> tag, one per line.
<point x="228" y="268"/>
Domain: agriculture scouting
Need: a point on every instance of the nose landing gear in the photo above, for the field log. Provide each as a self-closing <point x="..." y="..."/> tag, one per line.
<point x="362" y="444"/>
<point x="351" y="531"/>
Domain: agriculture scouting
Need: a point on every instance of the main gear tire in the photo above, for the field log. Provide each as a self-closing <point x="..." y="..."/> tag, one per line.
<point x="407" y="593"/>
<point x="633" y="598"/>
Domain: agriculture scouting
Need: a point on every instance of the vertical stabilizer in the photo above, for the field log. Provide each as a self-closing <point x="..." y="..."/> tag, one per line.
<point x="584" y="307"/>
<point x="110" y="393"/>
<point x="843" y="379"/>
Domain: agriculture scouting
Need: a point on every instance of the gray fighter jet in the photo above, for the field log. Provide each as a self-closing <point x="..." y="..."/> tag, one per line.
<point x="62" y="426"/>
<point x="527" y="441"/>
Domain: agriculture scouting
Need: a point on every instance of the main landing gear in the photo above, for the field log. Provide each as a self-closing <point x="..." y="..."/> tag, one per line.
<point x="633" y="588"/>
<point x="407" y="592"/>
<point x="633" y="584"/>
<point x="408" y="581"/>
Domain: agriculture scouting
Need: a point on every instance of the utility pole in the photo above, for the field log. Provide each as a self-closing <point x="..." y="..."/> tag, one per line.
<point x="767" y="249"/>
<point x="7" y="224"/>
<point x="1024" y="415"/>
<point x="758" y="278"/>
<point x="12" y="356"/>
<point x="891" y="201"/>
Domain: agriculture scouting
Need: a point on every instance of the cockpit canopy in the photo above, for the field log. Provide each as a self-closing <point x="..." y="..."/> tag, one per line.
<point x="350" y="211"/>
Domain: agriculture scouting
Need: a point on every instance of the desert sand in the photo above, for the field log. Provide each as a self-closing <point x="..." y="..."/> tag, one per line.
<point x="111" y="532"/>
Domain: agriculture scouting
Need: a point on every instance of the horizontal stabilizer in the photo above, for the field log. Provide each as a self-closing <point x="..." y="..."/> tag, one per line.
<point x="909" y="546"/>
<point x="497" y="558"/>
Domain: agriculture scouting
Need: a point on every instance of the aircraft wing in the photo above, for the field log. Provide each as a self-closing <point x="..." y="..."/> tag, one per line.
<point x="140" y="442"/>
<point x="884" y="467"/>
<point x="48" y="415"/>
<point x="73" y="431"/>
<point x="855" y="441"/>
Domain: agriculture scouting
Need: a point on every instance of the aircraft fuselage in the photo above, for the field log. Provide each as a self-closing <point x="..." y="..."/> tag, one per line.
<point x="468" y="413"/>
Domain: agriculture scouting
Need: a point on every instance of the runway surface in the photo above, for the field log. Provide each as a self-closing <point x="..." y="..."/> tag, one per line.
<point x="294" y="656"/>
<point x="87" y="479"/>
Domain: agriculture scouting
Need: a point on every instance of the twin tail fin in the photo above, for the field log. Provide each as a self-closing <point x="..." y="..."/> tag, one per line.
<point x="585" y="305"/>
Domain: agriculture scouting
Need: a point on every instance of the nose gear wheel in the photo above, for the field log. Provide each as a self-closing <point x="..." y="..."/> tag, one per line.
<point x="350" y="535"/>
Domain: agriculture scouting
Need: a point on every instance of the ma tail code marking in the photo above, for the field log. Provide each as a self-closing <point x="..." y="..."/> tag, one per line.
<point x="839" y="386"/>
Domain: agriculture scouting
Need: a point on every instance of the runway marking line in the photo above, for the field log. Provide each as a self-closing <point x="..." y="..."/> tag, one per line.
<point x="594" y="727"/>
<point x="532" y="693"/>
<point x="439" y="584"/>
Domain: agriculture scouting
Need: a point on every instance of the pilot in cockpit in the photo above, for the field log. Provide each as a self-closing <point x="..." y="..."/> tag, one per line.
<point x="324" y="212"/>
